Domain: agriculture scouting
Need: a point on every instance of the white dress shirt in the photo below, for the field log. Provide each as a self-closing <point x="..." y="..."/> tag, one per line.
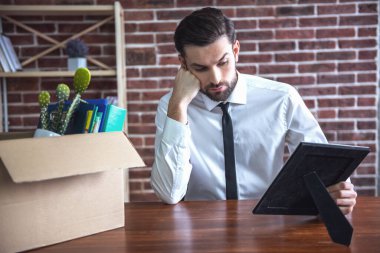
<point x="189" y="159"/>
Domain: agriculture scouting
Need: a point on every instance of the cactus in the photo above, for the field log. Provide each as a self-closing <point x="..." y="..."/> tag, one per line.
<point x="82" y="79"/>
<point x="63" y="93"/>
<point x="61" y="120"/>
<point x="44" y="100"/>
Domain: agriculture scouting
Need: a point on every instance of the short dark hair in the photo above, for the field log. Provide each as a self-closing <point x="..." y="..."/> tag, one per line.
<point x="203" y="27"/>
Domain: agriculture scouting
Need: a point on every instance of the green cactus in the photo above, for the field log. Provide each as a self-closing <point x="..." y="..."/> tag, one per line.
<point x="63" y="93"/>
<point x="44" y="100"/>
<point x="60" y="121"/>
<point x="82" y="79"/>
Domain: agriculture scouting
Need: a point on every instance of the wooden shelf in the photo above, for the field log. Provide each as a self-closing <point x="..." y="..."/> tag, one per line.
<point x="55" y="73"/>
<point x="22" y="10"/>
<point x="113" y="12"/>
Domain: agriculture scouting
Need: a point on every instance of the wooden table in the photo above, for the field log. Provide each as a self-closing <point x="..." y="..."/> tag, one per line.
<point x="225" y="226"/>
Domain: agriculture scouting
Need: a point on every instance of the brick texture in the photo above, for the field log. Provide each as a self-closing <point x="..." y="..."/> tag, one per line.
<point x="327" y="49"/>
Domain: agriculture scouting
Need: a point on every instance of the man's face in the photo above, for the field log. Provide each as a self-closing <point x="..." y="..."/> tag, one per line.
<point x="215" y="67"/>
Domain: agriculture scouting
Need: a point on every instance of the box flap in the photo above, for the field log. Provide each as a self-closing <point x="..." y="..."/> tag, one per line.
<point x="36" y="159"/>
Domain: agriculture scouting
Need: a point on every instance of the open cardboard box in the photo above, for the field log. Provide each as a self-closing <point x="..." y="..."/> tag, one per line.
<point x="60" y="188"/>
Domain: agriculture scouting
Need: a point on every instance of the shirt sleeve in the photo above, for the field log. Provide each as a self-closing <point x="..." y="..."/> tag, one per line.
<point x="171" y="168"/>
<point x="302" y="126"/>
<point x="300" y="122"/>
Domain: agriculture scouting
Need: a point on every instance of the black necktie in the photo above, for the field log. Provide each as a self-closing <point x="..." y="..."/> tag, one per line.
<point x="229" y="153"/>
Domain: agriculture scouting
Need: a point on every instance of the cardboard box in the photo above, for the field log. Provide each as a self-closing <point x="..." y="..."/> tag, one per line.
<point x="60" y="188"/>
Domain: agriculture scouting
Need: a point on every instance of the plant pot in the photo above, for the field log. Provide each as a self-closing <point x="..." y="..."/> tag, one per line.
<point x="74" y="63"/>
<point x="44" y="133"/>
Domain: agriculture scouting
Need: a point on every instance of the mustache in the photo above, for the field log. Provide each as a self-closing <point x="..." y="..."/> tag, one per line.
<point x="212" y="85"/>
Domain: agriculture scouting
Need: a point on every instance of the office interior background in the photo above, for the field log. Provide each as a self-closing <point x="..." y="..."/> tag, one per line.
<point x="327" y="49"/>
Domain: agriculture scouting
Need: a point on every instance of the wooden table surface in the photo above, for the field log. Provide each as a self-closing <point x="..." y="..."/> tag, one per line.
<point x="225" y="226"/>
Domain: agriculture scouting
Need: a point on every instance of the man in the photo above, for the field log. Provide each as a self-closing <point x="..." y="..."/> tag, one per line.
<point x="266" y="115"/>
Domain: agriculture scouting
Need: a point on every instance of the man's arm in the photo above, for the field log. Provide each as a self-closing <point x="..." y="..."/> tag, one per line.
<point x="171" y="169"/>
<point x="302" y="126"/>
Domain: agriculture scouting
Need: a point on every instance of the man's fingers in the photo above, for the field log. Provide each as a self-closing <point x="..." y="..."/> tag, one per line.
<point x="345" y="202"/>
<point x="340" y="186"/>
<point x="343" y="194"/>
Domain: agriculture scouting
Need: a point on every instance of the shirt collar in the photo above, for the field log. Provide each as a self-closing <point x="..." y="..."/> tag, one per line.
<point x="238" y="95"/>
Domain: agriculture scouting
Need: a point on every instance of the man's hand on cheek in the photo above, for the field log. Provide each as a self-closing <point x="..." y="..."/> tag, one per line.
<point x="344" y="196"/>
<point x="186" y="86"/>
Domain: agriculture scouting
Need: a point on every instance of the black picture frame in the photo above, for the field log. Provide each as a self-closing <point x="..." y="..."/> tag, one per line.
<point x="288" y="193"/>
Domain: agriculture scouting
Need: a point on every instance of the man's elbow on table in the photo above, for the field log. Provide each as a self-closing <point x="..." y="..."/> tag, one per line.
<point x="168" y="199"/>
<point x="171" y="201"/>
<point x="165" y="196"/>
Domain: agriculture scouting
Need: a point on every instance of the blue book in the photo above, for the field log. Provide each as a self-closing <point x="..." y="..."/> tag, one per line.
<point x="114" y="119"/>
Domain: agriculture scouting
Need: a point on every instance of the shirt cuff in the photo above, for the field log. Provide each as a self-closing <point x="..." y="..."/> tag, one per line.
<point x="174" y="131"/>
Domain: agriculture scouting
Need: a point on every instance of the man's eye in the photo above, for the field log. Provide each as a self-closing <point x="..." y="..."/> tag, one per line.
<point x="223" y="63"/>
<point x="200" y="69"/>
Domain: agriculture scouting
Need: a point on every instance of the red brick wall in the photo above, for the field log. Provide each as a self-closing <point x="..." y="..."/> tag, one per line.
<point x="325" y="48"/>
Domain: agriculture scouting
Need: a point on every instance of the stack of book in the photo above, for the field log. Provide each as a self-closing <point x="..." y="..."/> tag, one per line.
<point x="93" y="116"/>
<point x="8" y="58"/>
<point x="102" y="116"/>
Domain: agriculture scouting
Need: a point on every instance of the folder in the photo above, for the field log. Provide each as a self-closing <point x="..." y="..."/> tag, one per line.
<point x="114" y="119"/>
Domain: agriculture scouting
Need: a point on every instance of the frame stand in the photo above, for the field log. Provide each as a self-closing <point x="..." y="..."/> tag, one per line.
<point x="338" y="227"/>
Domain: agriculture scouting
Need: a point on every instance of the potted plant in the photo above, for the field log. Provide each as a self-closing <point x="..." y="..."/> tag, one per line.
<point x="77" y="51"/>
<point x="56" y="122"/>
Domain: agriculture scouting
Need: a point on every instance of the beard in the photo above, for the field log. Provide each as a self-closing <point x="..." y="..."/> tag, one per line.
<point x="223" y="95"/>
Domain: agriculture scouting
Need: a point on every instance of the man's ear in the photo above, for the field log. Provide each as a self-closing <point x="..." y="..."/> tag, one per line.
<point x="183" y="62"/>
<point x="236" y="50"/>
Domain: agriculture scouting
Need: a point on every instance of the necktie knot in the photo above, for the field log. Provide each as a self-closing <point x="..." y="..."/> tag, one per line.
<point x="224" y="106"/>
